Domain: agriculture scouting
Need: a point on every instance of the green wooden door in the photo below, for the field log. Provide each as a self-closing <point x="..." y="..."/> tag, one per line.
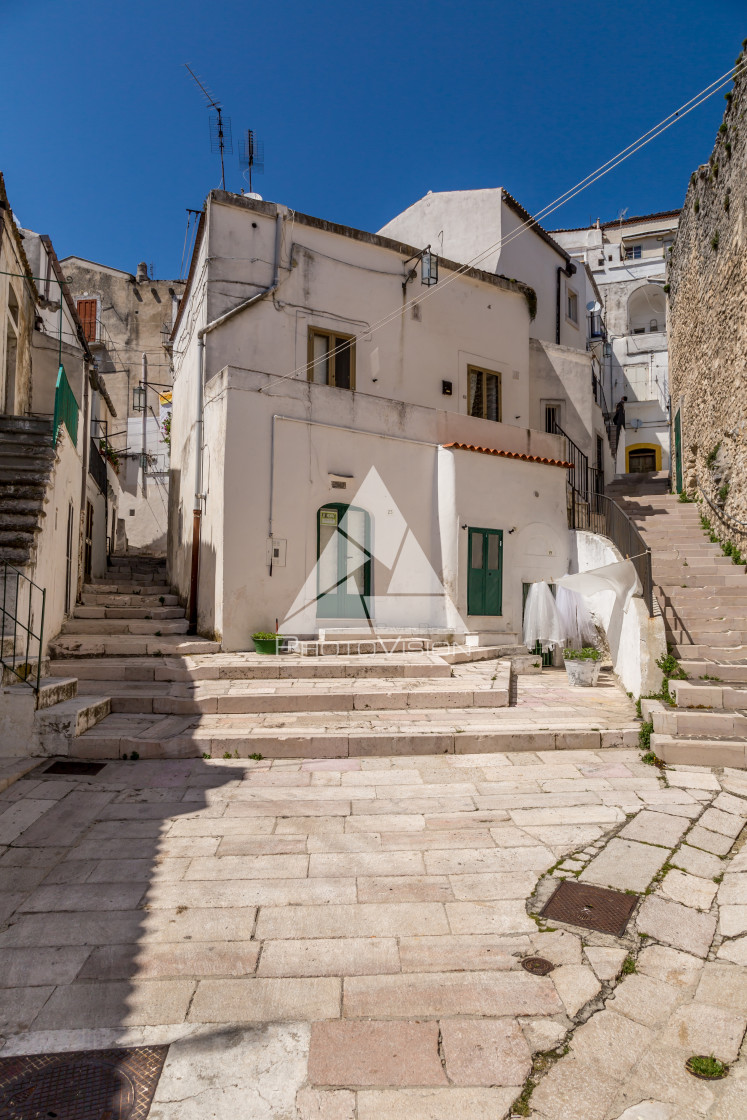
<point x="343" y="562"/>
<point x="678" y="452"/>
<point x="485" y="572"/>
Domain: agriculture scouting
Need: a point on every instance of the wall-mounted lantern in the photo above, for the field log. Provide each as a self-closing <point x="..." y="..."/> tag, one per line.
<point x="139" y="398"/>
<point x="428" y="268"/>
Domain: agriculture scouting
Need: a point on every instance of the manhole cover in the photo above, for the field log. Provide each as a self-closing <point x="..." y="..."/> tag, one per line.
<point x="81" y="1085"/>
<point x="74" y="766"/>
<point x="597" y="908"/>
<point x="539" y="966"/>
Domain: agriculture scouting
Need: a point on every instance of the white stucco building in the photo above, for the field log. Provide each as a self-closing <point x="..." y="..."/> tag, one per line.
<point x="489" y="227"/>
<point x="628" y="258"/>
<point x="361" y="461"/>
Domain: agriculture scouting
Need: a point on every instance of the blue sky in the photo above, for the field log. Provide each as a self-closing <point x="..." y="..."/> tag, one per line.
<point x="362" y="108"/>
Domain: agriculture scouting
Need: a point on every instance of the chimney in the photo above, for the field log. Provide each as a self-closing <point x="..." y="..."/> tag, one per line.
<point x="142" y="273"/>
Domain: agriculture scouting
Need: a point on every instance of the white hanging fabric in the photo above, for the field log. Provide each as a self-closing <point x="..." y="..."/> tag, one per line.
<point x="575" y="619"/>
<point x="541" y="621"/>
<point x="621" y="578"/>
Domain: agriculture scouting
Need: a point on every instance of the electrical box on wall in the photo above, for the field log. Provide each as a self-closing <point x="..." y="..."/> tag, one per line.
<point x="447" y="388"/>
<point x="276" y="552"/>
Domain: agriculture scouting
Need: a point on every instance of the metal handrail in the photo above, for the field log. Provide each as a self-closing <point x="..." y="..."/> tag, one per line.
<point x="65" y="408"/>
<point x="596" y="513"/>
<point x="11" y="623"/>
<point x="729" y="521"/>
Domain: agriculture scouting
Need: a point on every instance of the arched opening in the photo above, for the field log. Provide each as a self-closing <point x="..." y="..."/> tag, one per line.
<point x="647" y="310"/>
<point x="343" y="562"/>
<point x="643" y="457"/>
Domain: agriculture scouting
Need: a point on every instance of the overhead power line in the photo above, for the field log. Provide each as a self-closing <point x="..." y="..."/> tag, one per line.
<point x="605" y="168"/>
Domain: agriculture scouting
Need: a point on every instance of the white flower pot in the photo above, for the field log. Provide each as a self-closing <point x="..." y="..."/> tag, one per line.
<point x="583" y="673"/>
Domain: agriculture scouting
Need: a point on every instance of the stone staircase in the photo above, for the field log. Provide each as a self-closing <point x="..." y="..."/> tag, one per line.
<point x="166" y="695"/>
<point x="27" y="459"/>
<point x="703" y="597"/>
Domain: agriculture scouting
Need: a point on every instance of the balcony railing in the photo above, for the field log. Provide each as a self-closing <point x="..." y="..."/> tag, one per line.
<point x="65" y="408"/>
<point x="578" y="472"/>
<point x="596" y="513"/>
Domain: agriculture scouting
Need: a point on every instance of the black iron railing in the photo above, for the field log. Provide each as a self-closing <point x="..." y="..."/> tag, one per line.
<point x="578" y="472"/>
<point x="21" y="625"/>
<point x="97" y="466"/>
<point x="596" y="513"/>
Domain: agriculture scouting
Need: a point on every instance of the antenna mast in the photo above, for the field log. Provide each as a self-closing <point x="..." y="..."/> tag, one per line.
<point x="221" y="138"/>
<point x="251" y="155"/>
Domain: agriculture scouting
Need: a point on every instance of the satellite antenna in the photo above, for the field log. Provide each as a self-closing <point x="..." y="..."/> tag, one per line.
<point x="221" y="139"/>
<point x="251" y="155"/>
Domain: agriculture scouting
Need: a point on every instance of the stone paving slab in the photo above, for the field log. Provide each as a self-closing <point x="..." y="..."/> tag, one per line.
<point x="337" y="940"/>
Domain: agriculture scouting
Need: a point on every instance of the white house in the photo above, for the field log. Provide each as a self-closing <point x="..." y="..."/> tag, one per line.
<point x="353" y="449"/>
<point x="628" y="258"/>
<point x="491" y="229"/>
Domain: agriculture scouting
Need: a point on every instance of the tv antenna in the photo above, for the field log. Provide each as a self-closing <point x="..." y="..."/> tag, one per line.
<point x="221" y="138"/>
<point x="251" y="155"/>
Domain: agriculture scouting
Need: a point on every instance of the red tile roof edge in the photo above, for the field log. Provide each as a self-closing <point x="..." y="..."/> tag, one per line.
<point x="508" y="454"/>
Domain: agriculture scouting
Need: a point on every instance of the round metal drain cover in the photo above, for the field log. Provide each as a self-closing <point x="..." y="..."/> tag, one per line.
<point x="539" y="966"/>
<point x="80" y="1085"/>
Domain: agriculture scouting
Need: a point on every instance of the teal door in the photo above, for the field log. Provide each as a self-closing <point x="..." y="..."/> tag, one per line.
<point x="343" y="562"/>
<point x="485" y="572"/>
<point x="678" y="453"/>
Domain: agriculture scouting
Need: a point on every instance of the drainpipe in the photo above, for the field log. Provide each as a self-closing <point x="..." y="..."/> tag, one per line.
<point x="569" y="270"/>
<point x="84" y="458"/>
<point x="143" y="461"/>
<point x="199" y="421"/>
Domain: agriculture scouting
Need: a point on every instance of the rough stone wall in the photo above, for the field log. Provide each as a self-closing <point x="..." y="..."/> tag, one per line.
<point x="133" y="312"/>
<point x="707" y="284"/>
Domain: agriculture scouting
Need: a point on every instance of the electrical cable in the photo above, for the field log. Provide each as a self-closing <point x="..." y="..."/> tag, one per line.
<point x="652" y="134"/>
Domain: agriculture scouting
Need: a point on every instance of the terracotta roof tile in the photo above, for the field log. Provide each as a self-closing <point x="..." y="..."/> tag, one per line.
<point x="508" y="454"/>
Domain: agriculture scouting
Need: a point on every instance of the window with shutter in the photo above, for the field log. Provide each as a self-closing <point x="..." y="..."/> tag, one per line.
<point x="87" y="316"/>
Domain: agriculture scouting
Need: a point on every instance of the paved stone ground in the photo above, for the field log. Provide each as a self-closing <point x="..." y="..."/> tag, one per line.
<point x="341" y="939"/>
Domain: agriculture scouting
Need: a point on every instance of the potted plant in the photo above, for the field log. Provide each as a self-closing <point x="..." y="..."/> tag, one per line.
<point x="265" y="642"/>
<point x="582" y="665"/>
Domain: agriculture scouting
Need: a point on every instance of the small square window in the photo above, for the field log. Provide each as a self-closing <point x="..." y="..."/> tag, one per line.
<point x="633" y="253"/>
<point x="484" y="393"/>
<point x="331" y="359"/>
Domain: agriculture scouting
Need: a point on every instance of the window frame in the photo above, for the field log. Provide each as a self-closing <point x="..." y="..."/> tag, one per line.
<point x="331" y="336"/>
<point x="634" y="252"/>
<point x="472" y="368"/>
<point x="571" y="295"/>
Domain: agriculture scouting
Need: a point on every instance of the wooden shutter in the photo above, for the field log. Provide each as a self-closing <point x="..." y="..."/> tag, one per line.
<point x="87" y="316"/>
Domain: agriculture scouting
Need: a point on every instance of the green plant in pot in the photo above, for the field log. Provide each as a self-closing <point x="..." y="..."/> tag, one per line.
<point x="582" y="666"/>
<point x="265" y="642"/>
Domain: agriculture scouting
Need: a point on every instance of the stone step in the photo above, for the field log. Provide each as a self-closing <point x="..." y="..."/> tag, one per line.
<point x="58" y="727"/>
<point x="708" y="694"/>
<point x="708" y="652"/>
<point x="735" y="673"/>
<point x="251" y="666"/>
<point x="111" y="626"/>
<point x="67" y="646"/>
<point x="341" y="695"/>
<point x="680" y="750"/>
<point x="111" y="600"/>
<point x="26" y="668"/>
<point x="14" y="521"/>
<point x="706" y="724"/>
<point x="715" y="638"/>
<point x="56" y="690"/>
<point x="18" y="557"/>
<point x="126" y="587"/>
<point x="38" y="424"/>
<point x="146" y="612"/>
<point x="382" y="733"/>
